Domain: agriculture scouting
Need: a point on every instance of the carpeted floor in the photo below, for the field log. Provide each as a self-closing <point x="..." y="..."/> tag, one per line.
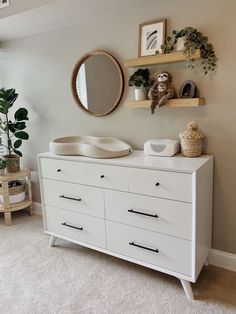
<point x="68" y="279"/>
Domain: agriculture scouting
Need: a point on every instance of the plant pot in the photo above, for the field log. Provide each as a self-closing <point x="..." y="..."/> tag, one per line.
<point x="13" y="163"/>
<point x="180" y="44"/>
<point x="140" y="94"/>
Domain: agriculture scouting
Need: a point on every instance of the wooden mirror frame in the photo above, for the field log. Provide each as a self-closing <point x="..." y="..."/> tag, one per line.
<point x="75" y="73"/>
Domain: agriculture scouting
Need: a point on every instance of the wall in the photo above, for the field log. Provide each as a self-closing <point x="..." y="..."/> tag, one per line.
<point x="17" y="6"/>
<point x="40" y="68"/>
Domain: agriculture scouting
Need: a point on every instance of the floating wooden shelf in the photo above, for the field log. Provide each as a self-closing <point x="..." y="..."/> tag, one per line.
<point x="178" y="102"/>
<point x="160" y="59"/>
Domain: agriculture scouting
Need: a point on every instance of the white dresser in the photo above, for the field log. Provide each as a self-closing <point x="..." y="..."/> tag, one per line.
<point x="153" y="211"/>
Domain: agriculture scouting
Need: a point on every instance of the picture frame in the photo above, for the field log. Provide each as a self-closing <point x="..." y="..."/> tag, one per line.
<point x="151" y="37"/>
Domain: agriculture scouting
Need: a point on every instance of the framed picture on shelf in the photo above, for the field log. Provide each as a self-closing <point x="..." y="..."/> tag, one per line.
<point x="151" y="37"/>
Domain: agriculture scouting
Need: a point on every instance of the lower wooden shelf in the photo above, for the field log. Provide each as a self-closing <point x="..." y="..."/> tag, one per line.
<point x="16" y="206"/>
<point x="178" y="102"/>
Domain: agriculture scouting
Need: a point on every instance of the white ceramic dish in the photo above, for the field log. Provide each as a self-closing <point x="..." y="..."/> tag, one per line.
<point x="90" y="146"/>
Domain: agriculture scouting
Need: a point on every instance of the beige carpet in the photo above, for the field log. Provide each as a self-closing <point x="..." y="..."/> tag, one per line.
<point x="68" y="279"/>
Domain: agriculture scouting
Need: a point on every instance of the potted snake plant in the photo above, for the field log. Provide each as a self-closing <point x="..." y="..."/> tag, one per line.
<point x="12" y="128"/>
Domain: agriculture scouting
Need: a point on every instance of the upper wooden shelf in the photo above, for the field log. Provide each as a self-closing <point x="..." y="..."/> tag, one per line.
<point x="174" y="103"/>
<point x="160" y="59"/>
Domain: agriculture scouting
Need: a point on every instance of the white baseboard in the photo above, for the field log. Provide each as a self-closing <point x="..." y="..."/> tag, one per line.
<point x="222" y="259"/>
<point x="37" y="208"/>
<point x="217" y="258"/>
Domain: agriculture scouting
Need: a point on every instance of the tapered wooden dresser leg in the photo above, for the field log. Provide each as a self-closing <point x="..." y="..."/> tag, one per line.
<point x="52" y="241"/>
<point x="187" y="289"/>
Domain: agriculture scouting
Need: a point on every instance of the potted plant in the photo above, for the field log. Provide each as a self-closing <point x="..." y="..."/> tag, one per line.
<point x="13" y="129"/>
<point x="140" y="79"/>
<point x="3" y="165"/>
<point x="188" y="40"/>
<point x="193" y="39"/>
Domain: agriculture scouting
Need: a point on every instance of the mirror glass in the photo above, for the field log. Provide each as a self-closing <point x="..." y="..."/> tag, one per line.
<point x="97" y="83"/>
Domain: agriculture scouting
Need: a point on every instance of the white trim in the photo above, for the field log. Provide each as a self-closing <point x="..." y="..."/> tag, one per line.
<point x="222" y="259"/>
<point x="37" y="208"/>
<point x="217" y="258"/>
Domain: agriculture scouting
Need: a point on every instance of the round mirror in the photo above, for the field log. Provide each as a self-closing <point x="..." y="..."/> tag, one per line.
<point x="97" y="83"/>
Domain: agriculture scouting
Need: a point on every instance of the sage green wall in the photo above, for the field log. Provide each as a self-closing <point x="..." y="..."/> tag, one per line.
<point x="40" y="67"/>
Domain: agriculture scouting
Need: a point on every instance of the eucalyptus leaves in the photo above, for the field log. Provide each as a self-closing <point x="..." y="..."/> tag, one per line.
<point x="13" y="129"/>
<point x="193" y="40"/>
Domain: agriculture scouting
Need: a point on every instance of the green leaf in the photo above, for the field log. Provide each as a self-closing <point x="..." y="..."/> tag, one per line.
<point x="2" y="93"/>
<point x="17" y="152"/>
<point x="17" y="143"/>
<point x="3" y="127"/>
<point x="22" y="135"/>
<point x="10" y="96"/>
<point x="11" y="127"/>
<point x="2" y="103"/>
<point x="19" y="125"/>
<point x="21" y="114"/>
<point x="4" y="110"/>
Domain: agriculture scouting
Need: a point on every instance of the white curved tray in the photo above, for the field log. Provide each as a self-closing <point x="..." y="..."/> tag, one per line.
<point x="90" y="146"/>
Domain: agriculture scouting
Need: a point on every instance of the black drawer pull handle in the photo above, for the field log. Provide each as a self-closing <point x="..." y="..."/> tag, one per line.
<point x="58" y="170"/>
<point x="157" y="184"/>
<point x="102" y="176"/>
<point x="144" y="247"/>
<point x="71" y="198"/>
<point x="70" y="226"/>
<point x="140" y="213"/>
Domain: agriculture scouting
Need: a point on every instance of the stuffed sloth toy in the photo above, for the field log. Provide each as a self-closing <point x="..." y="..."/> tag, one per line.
<point x="161" y="91"/>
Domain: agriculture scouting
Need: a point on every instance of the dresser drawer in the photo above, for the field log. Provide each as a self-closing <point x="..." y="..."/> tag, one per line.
<point x="155" y="214"/>
<point x="170" y="185"/>
<point x="173" y="253"/>
<point x="80" y="198"/>
<point x="85" y="173"/>
<point x="68" y="224"/>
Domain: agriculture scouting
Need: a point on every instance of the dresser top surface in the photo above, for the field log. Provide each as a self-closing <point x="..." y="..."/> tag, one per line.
<point x="138" y="159"/>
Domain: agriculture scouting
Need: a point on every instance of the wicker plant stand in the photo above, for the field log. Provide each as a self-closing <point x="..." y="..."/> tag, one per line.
<point x="6" y="207"/>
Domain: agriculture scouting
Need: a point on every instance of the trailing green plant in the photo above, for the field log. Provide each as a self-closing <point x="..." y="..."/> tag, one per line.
<point x="12" y="129"/>
<point x="193" y="40"/>
<point x="140" y="78"/>
<point x="3" y="163"/>
<point x="168" y="46"/>
<point x="196" y="40"/>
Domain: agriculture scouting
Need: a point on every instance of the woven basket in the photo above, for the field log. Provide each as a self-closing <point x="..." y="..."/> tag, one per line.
<point x="14" y="190"/>
<point x="191" y="147"/>
<point x="191" y="140"/>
